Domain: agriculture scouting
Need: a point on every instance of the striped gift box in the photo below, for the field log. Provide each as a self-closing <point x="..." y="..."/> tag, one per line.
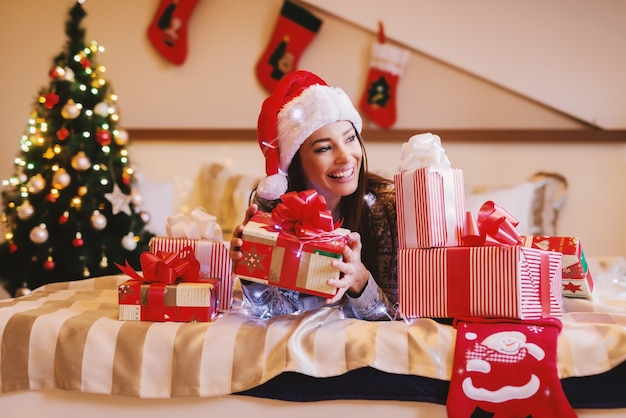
<point x="430" y="205"/>
<point x="489" y="282"/>
<point x="213" y="257"/>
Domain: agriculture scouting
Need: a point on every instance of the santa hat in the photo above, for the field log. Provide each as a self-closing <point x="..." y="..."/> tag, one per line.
<point x="300" y="104"/>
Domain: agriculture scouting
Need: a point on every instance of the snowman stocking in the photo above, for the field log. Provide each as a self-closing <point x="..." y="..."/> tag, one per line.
<point x="506" y="368"/>
<point x="387" y="64"/>
<point x="168" y="30"/>
<point x="295" y="29"/>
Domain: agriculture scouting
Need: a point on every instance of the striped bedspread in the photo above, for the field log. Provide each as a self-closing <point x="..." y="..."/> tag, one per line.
<point x="67" y="336"/>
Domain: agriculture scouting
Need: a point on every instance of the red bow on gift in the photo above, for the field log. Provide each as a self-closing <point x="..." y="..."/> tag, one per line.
<point x="166" y="267"/>
<point x="303" y="214"/>
<point x="494" y="226"/>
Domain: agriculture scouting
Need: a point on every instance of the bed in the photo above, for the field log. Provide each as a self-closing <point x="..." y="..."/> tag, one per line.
<point x="63" y="349"/>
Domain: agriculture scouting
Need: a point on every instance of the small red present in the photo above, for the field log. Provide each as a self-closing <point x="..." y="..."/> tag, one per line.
<point x="293" y="246"/>
<point x="490" y="282"/>
<point x="170" y="290"/>
<point x="577" y="280"/>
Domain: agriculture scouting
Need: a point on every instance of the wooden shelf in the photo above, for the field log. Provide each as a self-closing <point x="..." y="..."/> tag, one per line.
<point x="401" y="135"/>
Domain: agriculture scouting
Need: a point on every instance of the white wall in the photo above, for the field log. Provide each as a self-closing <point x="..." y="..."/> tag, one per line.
<point x="216" y="88"/>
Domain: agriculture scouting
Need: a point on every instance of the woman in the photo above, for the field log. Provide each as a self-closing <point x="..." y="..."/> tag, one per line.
<point x="309" y="134"/>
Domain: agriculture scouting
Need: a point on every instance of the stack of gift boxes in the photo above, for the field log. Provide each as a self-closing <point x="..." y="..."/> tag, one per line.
<point x="454" y="264"/>
<point x="186" y="275"/>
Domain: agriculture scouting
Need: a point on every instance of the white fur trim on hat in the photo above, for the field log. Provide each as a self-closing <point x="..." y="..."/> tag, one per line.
<point x="316" y="106"/>
<point x="272" y="187"/>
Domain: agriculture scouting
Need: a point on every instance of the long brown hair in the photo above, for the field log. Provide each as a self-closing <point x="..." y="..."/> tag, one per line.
<point x="352" y="207"/>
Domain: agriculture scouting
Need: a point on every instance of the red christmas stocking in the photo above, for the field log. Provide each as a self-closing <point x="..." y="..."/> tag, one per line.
<point x="168" y="30"/>
<point x="506" y="368"/>
<point x="387" y="63"/>
<point x="295" y="29"/>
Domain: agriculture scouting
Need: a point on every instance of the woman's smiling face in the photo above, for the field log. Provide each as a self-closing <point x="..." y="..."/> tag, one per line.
<point x="331" y="159"/>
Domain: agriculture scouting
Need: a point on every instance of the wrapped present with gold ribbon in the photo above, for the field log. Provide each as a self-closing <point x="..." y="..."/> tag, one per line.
<point x="293" y="246"/>
<point x="170" y="289"/>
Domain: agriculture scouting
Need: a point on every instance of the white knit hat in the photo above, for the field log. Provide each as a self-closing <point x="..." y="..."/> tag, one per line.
<point x="300" y="104"/>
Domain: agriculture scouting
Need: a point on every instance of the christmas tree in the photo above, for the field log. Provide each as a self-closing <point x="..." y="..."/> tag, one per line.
<point x="71" y="209"/>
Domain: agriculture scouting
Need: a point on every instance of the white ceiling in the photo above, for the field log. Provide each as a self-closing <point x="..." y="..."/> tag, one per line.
<point x="565" y="54"/>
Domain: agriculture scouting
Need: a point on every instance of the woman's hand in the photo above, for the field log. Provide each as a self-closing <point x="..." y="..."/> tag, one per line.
<point x="354" y="275"/>
<point x="236" y="241"/>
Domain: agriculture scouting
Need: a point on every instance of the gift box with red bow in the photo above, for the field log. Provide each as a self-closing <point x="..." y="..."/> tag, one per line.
<point x="169" y="290"/>
<point x="577" y="280"/>
<point x="200" y="231"/>
<point x="492" y="276"/>
<point x="293" y="246"/>
<point x="430" y="195"/>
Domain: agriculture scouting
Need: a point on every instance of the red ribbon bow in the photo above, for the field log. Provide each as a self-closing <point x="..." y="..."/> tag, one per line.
<point x="165" y="267"/>
<point x="494" y="226"/>
<point x="303" y="214"/>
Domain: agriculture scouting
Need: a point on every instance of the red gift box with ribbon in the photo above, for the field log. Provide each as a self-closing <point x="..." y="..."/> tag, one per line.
<point x="577" y="280"/>
<point x="293" y="246"/>
<point x="492" y="276"/>
<point x="200" y="231"/>
<point x="169" y="290"/>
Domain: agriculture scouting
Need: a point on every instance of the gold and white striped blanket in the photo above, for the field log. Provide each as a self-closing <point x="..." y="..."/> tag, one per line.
<point x="67" y="336"/>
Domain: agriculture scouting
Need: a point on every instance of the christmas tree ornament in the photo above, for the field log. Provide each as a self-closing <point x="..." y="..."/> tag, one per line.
<point x="120" y="202"/>
<point x="70" y="110"/>
<point x="145" y="217"/>
<point x="25" y="210"/>
<point x="62" y="133"/>
<point x="128" y="242"/>
<point x="98" y="220"/>
<point x="86" y="272"/>
<point x="64" y="218"/>
<point x="61" y="179"/>
<point x="39" y="234"/>
<point x="48" y="265"/>
<point x="120" y="136"/>
<point x="49" y="154"/>
<point x="101" y="109"/>
<point x="104" y="262"/>
<point x="168" y="30"/>
<point x="12" y="248"/>
<point x="69" y="74"/>
<point x="22" y="291"/>
<point x="57" y="72"/>
<point x="49" y="100"/>
<point x="82" y="190"/>
<point x="293" y="32"/>
<point x="78" y="240"/>
<point x="103" y="137"/>
<point x="80" y="161"/>
<point x="36" y="183"/>
<point x="387" y="63"/>
<point x="52" y="196"/>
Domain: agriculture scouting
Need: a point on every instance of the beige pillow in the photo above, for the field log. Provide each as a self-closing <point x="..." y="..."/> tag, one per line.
<point x="535" y="203"/>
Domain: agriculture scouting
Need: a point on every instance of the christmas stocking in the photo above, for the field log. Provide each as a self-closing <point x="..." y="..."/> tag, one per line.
<point x="387" y="63"/>
<point x="168" y="30"/>
<point x="506" y="368"/>
<point x="295" y="29"/>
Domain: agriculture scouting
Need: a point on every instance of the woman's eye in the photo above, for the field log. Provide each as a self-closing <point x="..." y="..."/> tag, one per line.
<point x="322" y="149"/>
<point x="351" y="138"/>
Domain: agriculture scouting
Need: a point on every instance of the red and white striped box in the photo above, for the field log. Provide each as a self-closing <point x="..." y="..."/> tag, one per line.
<point x="488" y="282"/>
<point x="213" y="257"/>
<point x="430" y="206"/>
